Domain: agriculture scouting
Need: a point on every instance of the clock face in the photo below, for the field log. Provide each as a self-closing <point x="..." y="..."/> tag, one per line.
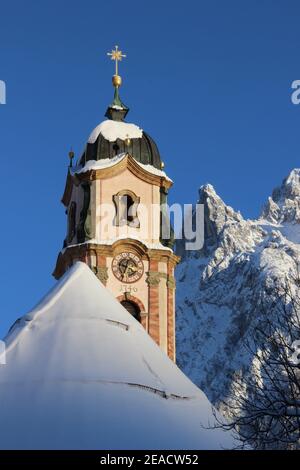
<point x="127" y="267"/>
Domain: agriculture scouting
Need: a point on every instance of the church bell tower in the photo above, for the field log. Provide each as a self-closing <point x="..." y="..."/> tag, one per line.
<point x="115" y="199"/>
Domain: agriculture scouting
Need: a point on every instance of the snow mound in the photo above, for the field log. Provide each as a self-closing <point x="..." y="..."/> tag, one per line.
<point x="113" y="130"/>
<point x="82" y="373"/>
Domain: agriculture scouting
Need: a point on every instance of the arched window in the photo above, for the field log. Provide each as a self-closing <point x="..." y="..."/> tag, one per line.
<point x="132" y="308"/>
<point x="71" y="221"/>
<point x="126" y="203"/>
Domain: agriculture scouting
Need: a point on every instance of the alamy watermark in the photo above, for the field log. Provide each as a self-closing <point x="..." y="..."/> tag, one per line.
<point x="2" y="353"/>
<point x="153" y="221"/>
<point x="2" y="92"/>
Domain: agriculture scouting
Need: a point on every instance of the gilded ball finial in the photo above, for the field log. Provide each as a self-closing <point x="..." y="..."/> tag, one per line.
<point x="117" y="56"/>
<point x="117" y="81"/>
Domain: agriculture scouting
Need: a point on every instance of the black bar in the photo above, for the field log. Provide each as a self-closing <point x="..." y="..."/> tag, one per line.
<point x="131" y="459"/>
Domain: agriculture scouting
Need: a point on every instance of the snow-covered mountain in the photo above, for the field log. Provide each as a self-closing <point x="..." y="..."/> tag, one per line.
<point x="221" y="287"/>
<point x="82" y="373"/>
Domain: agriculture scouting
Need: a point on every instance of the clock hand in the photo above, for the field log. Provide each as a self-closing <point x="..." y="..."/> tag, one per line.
<point x="126" y="269"/>
<point x="133" y="268"/>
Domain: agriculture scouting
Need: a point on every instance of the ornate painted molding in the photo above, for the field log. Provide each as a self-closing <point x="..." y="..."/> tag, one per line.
<point x="101" y="273"/>
<point x="171" y="283"/>
<point x="153" y="278"/>
<point x="132" y="298"/>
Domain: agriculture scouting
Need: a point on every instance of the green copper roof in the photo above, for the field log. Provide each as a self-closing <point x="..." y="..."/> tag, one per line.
<point x="117" y="110"/>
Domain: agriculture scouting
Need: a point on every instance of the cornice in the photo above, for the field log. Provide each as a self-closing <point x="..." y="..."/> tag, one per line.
<point x="128" y="162"/>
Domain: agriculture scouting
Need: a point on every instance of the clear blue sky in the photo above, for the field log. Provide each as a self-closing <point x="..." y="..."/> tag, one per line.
<point x="209" y="80"/>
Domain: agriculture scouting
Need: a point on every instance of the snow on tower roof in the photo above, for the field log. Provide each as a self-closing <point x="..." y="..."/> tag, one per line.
<point x="113" y="130"/>
<point x="82" y="373"/>
<point x="109" y="162"/>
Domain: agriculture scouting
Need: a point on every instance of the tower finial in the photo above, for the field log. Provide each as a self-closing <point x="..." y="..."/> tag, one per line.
<point x="117" y="56"/>
<point x="117" y="110"/>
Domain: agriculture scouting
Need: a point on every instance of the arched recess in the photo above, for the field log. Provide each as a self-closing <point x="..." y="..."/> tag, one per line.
<point x="133" y="301"/>
<point x="126" y="203"/>
<point x="130" y="244"/>
<point x="132" y="308"/>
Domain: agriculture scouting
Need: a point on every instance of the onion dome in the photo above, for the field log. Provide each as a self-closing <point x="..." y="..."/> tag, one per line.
<point x="114" y="136"/>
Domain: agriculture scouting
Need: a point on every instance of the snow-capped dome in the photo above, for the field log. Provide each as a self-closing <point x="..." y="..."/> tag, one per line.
<point x="82" y="373"/>
<point x="114" y="136"/>
<point x="108" y="139"/>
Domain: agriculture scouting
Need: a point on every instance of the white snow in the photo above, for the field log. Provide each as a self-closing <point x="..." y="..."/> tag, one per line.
<point x="153" y="170"/>
<point x="113" y="130"/>
<point x="289" y="230"/>
<point x="116" y="106"/>
<point x="293" y="178"/>
<point x="109" y="162"/>
<point x="82" y="373"/>
<point x="98" y="164"/>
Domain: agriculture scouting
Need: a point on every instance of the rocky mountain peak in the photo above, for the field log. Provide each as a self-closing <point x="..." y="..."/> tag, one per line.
<point x="290" y="187"/>
<point x="213" y="203"/>
<point x="284" y="205"/>
<point x="220" y="288"/>
<point x="216" y="215"/>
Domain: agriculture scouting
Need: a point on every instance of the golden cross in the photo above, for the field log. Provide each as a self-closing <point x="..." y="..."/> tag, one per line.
<point x="117" y="56"/>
